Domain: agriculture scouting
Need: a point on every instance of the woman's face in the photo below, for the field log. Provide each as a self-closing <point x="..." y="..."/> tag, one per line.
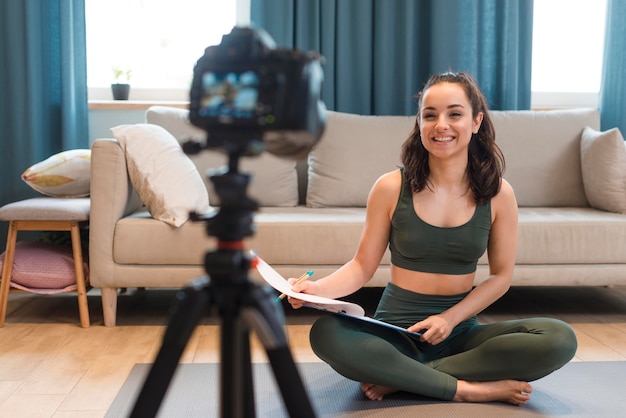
<point x="445" y="120"/>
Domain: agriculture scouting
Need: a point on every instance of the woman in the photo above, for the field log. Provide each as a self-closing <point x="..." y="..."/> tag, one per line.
<point x="438" y="214"/>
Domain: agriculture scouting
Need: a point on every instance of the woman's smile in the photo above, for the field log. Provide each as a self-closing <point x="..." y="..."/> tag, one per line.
<point x="443" y="139"/>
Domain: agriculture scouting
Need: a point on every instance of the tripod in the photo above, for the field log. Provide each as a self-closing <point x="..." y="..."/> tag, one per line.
<point x="242" y="305"/>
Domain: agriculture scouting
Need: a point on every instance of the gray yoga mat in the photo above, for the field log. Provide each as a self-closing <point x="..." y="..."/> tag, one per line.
<point x="579" y="389"/>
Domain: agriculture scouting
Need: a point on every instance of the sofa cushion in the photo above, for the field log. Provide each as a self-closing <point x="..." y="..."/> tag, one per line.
<point x="175" y="121"/>
<point x="353" y="152"/>
<point x="293" y="236"/>
<point x="542" y="153"/>
<point x="547" y="236"/>
<point x="555" y="236"/>
<point x="163" y="176"/>
<point x="541" y="149"/>
<point x="66" y="174"/>
<point x="603" y="158"/>
<point x="274" y="180"/>
<point x="560" y="236"/>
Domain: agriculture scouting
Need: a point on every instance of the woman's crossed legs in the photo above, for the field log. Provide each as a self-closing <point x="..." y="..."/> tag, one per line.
<point x="490" y="362"/>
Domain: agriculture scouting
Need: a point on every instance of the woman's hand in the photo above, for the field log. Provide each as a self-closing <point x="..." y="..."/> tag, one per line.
<point x="303" y="287"/>
<point x="434" y="329"/>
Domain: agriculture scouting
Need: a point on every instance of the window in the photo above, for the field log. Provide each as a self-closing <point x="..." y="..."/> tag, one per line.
<point x="158" y="40"/>
<point x="568" y="47"/>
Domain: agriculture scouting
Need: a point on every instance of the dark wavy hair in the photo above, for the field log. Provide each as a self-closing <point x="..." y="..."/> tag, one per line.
<point x="485" y="159"/>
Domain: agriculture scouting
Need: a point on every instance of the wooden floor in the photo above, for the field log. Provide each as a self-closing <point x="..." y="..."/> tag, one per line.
<point x="50" y="367"/>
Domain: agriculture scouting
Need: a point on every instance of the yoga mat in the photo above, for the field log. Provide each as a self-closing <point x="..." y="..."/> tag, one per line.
<point x="579" y="389"/>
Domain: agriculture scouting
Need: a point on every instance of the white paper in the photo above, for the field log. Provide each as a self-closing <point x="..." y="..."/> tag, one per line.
<point x="278" y="282"/>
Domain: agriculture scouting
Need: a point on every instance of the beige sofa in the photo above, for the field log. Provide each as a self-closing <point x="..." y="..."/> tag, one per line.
<point x="569" y="180"/>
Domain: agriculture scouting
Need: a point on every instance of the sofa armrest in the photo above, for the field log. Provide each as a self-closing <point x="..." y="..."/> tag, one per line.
<point x="112" y="198"/>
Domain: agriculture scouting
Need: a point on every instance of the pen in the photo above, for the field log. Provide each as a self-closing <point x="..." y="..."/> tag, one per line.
<point x="300" y="280"/>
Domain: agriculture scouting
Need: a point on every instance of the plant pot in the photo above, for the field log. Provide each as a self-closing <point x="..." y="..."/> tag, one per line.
<point x="120" y="91"/>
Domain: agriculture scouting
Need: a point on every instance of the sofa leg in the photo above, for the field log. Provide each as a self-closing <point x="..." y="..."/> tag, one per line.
<point x="109" y="305"/>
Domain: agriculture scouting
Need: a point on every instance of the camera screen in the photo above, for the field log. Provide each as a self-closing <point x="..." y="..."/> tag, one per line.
<point x="229" y="95"/>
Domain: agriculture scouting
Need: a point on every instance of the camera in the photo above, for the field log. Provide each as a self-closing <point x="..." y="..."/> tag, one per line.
<point x="250" y="96"/>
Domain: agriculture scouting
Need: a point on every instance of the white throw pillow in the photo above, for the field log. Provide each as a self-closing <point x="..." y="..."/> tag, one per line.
<point x="164" y="177"/>
<point x="603" y="160"/>
<point x="66" y="174"/>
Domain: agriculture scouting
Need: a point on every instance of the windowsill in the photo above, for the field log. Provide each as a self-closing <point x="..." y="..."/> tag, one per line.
<point x="591" y="101"/>
<point x="133" y="104"/>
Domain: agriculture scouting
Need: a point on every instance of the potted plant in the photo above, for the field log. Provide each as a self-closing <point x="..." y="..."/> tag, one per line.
<point x="121" y="86"/>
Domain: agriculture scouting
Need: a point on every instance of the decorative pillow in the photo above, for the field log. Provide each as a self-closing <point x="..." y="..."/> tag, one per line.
<point x="603" y="159"/>
<point x="353" y="152"/>
<point x="275" y="180"/>
<point x="552" y="176"/>
<point x="176" y="121"/>
<point x="40" y="267"/>
<point x="66" y="174"/>
<point x="164" y="177"/>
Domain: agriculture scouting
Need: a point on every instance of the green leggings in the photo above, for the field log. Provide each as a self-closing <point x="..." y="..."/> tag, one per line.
<point x="525" y="349"/>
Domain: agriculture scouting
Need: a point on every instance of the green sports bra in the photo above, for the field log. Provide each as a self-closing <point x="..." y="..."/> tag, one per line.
<point x="418" y="246"/>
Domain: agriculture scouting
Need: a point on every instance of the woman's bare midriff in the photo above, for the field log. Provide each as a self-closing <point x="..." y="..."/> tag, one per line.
<point x="432" y="283"/>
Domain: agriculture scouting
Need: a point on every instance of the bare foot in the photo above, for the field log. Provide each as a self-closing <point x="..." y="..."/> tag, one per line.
<point x="375" y="392"/>
<point x="511" y="391"/>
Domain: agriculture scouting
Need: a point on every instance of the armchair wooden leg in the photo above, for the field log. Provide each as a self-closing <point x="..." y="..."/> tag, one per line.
<point x="109" y="305"/>
<point x="7" y="270"/>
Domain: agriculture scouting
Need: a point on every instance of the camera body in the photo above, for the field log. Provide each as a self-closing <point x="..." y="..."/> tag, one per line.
<point x="250" y="96"/>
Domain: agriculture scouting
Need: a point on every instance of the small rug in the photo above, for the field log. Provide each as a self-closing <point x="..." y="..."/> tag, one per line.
<point x="579" y="389"/>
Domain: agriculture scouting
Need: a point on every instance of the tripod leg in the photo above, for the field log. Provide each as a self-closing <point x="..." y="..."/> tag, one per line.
<point x="291" y="387"/>
<point x="191" y="304"/>
<point x="236" y="385"/>
<point x="265" y="317"/>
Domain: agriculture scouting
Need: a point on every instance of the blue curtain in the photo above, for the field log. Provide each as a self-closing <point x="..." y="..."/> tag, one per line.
<point x="613" y="89"/>
<point x="378" y="53"/>
<point x="43" y="79"/>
